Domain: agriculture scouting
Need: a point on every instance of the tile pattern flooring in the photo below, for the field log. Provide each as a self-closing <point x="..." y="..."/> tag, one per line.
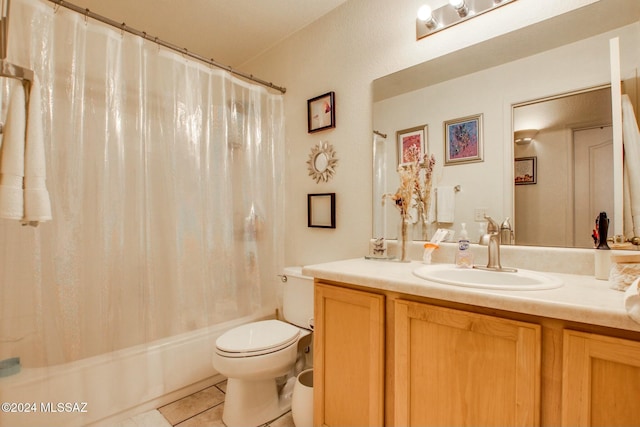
<point x="203" y="408"/>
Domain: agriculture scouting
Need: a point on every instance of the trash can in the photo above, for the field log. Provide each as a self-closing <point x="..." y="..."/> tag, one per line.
<point x="302" y="400"/>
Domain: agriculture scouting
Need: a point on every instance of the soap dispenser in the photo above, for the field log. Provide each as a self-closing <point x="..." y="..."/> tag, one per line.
<point x="464" y="257"/>
<point x="603" y="252"/>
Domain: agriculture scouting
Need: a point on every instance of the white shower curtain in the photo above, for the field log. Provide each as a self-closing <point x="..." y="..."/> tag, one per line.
<point x="165" y="182"/>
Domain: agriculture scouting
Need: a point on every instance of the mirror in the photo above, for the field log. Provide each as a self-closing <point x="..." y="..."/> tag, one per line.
<point x="494" y="79"/>
<point x="322" y="162"/>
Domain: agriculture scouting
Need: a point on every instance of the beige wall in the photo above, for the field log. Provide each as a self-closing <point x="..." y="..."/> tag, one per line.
<point x="344" y="52"/>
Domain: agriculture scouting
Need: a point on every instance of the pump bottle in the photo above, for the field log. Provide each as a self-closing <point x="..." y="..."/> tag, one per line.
<point x="464" y="257"/>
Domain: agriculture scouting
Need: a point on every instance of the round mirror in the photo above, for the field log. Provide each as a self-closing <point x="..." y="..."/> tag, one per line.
<point x="322" y="162"/>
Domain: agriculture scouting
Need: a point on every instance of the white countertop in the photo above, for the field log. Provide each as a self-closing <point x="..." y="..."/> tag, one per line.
<point x="581" y="298"/>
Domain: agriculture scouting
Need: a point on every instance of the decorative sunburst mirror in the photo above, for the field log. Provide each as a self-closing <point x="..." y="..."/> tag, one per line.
<point x="322" y="162"/>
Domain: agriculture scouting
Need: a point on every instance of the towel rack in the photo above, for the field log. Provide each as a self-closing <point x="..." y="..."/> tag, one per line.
<point x="7" y="69"/>
<point x="10" y="70"/>
<point x="456" y="188"/>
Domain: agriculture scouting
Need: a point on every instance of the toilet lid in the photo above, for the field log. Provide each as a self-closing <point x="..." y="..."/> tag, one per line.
<point x="258" y="337"/>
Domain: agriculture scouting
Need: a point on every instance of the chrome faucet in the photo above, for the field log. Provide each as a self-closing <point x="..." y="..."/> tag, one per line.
<point x="492" y="239"/>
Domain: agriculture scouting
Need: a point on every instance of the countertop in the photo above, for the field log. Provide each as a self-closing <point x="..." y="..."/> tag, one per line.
<point x="581" y="298"/>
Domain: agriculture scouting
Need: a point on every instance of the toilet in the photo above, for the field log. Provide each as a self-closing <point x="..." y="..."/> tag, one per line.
<point x="255" y="356"/>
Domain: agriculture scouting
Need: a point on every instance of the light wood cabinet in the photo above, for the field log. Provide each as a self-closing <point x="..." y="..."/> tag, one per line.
<point x="385" y="358"/>
<point x="601" y="380"/>
<point x="456" y="368"/>
<point x="348" y="357"/>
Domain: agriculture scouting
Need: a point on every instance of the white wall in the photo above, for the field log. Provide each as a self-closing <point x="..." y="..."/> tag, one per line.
<point x="344" y="52"/>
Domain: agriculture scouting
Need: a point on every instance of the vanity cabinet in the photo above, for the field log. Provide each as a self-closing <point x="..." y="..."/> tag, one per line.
<point x="601" y="380"/>
<point x="455" y="368"/>
<point x="387" y="358"/>
<point x="348" y="357"/>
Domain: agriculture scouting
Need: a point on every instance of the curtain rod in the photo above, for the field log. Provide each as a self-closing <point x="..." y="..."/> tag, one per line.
<point x="184" y="51"/>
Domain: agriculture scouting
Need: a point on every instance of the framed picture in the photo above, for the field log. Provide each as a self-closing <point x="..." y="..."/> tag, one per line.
<point x="412" y="144"/>
<point x="321" y="210"/>
<point x="463" y="140"/>
<point x="525" y="170"/>
<point x="321" y="112"/>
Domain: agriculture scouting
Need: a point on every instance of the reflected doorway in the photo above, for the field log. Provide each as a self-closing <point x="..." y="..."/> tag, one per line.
<point x="593" y="182"/>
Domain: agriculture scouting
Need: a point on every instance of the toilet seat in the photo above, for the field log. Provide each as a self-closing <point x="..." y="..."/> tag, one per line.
<point x="257" y="338"/>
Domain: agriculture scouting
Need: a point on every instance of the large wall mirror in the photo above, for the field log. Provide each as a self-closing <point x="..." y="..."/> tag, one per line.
<point x="553" y="77"/>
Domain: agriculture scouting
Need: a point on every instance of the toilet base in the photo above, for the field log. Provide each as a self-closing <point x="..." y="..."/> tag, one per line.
<point x="252" y="403"/>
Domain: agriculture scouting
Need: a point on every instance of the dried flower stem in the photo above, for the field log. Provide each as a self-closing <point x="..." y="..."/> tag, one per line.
<point x="414" y="192"/>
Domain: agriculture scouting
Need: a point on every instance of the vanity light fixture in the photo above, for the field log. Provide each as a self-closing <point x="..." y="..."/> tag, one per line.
<point x="456" y="11"/>
<point x="524" y="136"/>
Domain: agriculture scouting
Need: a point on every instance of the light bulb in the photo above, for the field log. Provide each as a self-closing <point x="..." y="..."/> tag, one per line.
<point x="425" y="13"/>
<point x="460" y="7"/>
<point x="426" y="16"/>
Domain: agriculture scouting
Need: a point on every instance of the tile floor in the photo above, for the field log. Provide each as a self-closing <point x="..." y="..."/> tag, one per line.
<point x="201" y="409"/>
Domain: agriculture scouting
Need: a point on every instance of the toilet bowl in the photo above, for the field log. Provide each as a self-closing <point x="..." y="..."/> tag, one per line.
<point x="255" y="355"/>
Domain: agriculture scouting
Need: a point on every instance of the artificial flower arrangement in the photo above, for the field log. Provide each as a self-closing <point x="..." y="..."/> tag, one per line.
<point x="413" y="197"/>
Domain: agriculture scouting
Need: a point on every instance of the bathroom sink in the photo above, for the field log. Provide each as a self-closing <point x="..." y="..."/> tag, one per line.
<point x="449" y="274"/>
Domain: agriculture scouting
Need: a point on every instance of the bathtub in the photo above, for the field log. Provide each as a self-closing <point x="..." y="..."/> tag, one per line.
<point x="105" y="389"/>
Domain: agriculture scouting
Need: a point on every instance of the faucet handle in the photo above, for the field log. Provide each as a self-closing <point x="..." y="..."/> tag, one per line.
<point x="506" y="224"/>
<point x="492" y="226"/>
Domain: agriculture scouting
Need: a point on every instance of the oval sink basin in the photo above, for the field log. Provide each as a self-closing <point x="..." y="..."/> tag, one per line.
<point x="521" y="280"/>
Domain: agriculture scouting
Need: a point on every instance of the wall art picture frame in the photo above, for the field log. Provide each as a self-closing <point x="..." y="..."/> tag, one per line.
<point x="463" y="140"/>
<point x="321" y="210"/>
<point x="321" y="112"/>
<point x="525" y="170"/>
<point x="412" y="142"/>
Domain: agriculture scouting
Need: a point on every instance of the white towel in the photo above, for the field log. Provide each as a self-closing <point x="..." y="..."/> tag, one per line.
<point x="12" y="157"/>
<point x="23" y="192"/>
<point x="445" y="203"/>
<point x="37" y="205"/>
<point x="431" y="215"/>
<point x="632" y="301"/>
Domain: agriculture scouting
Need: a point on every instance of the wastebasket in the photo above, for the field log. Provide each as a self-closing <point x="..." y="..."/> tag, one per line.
<point x="302" y="400"/>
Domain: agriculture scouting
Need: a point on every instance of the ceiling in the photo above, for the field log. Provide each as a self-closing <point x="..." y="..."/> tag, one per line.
<point x="231" y="32"/>
<point x="574" y="111"/>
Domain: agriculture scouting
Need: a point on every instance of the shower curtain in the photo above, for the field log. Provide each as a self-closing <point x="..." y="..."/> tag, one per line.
<point x="165" y="182"/>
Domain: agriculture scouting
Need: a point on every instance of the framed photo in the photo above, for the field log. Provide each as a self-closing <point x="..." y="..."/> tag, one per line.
<point x="412" y="144"/>
<point x="321" y="112"/>
<point x="525" y="170"/>
<point x="321" y="210"/>
<point x="463" y="140"/>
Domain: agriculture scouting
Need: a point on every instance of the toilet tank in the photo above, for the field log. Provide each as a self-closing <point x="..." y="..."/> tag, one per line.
<point x="297" y="299"/>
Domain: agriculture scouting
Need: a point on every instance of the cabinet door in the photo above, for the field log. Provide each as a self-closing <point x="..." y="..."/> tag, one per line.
<point x="601" y="380"/>
<point x="455" y="368"/>
<point x="348" y="357"/>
